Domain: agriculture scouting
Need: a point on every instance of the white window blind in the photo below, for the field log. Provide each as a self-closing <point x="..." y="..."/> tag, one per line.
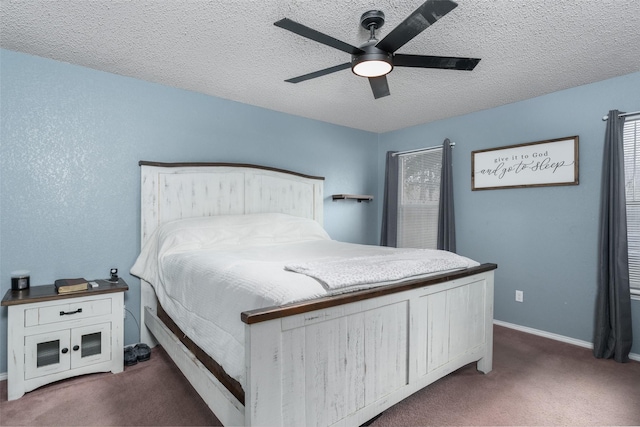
<point x="419" y="196"/>
<point x="631" y="141"/>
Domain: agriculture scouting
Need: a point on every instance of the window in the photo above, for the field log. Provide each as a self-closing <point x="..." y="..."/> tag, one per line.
<point x="419" y="197"/>
<point x="631" y="141"/>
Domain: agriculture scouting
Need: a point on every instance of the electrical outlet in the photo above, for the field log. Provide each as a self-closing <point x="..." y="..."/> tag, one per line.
<point x="519" y="296"/>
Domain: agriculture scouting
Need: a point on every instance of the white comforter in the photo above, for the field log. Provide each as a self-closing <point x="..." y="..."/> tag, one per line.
<point x="205" y="276"/>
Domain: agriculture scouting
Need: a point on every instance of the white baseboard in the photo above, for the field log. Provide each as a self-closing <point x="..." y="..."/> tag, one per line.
<point x="550" y="335"/>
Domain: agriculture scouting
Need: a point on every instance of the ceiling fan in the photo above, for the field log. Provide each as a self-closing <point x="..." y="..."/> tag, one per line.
<point x="375" y="59"/>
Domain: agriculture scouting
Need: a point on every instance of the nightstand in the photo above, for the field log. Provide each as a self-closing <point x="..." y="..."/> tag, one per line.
<point x="55" y="336"/>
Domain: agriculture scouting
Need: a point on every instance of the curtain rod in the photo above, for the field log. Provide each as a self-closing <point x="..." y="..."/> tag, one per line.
<point x="605" y="118"/>
<point x="400" y="153"/>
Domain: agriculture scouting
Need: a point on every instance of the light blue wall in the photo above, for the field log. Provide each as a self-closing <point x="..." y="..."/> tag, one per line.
<point x="70" y="142"/>
<point x="544" y="240"/>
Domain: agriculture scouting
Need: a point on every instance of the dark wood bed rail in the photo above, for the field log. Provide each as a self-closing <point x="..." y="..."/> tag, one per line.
<point x="276" y="312"/>
<point x="209" y="362"/>
<point x="215" y="164"/>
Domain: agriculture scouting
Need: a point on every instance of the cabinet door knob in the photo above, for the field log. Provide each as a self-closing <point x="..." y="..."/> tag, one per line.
<point x="76" y="347"/>
<point x="65" y="350"/>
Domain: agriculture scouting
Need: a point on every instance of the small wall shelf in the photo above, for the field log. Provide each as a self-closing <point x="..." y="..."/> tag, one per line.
<point x="359" y="197"/>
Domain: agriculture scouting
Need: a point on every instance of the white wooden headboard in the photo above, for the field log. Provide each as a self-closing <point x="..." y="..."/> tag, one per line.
<point x="172" y="191"/>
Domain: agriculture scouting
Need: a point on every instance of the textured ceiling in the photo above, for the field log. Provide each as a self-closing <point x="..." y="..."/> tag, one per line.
<point x="231" y="49"/>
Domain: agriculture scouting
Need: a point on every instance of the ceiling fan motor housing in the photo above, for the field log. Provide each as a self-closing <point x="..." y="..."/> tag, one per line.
<point x="371" y="53"/>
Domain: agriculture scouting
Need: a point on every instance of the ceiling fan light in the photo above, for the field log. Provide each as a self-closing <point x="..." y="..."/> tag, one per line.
<point x="372" y="68"/>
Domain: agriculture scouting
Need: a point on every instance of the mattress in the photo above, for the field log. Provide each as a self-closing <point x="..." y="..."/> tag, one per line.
<point x="207" y="271"/>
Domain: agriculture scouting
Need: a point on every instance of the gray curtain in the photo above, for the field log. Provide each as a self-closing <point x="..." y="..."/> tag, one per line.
<point x="389" y="234"/>
<point x="446" y="217"/>
<point x="612" y="334"/>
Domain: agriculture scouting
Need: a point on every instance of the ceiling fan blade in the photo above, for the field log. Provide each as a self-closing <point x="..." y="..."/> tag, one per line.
<point x="444" y="62"/>
<point x="320" y="73"/>
<point x="379" y="86"/>
<point x="312" y="34"/>
<point x="414" y="24"/>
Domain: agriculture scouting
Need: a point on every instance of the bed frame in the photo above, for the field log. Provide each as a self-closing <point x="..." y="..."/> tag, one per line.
<point x="338" y="360"/>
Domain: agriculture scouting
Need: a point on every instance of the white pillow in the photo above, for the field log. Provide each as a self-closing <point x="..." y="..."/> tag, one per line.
<point x="253" y="229"/>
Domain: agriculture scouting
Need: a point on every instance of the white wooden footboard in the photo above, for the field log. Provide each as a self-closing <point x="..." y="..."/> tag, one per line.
<point x="343" y="365"/>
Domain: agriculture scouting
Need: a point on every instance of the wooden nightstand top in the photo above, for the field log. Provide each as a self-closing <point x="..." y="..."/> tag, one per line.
<point x="48" y="292"/>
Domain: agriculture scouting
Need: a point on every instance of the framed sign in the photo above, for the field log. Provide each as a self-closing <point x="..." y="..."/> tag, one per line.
<point x="534" y="164"/>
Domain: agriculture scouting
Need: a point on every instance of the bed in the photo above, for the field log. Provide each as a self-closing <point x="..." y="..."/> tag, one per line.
<point x="318" y="353"/>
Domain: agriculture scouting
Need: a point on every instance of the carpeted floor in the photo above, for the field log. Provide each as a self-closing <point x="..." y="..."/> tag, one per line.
<point x="150" y="393"/>
<point x="535" y="381"/>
